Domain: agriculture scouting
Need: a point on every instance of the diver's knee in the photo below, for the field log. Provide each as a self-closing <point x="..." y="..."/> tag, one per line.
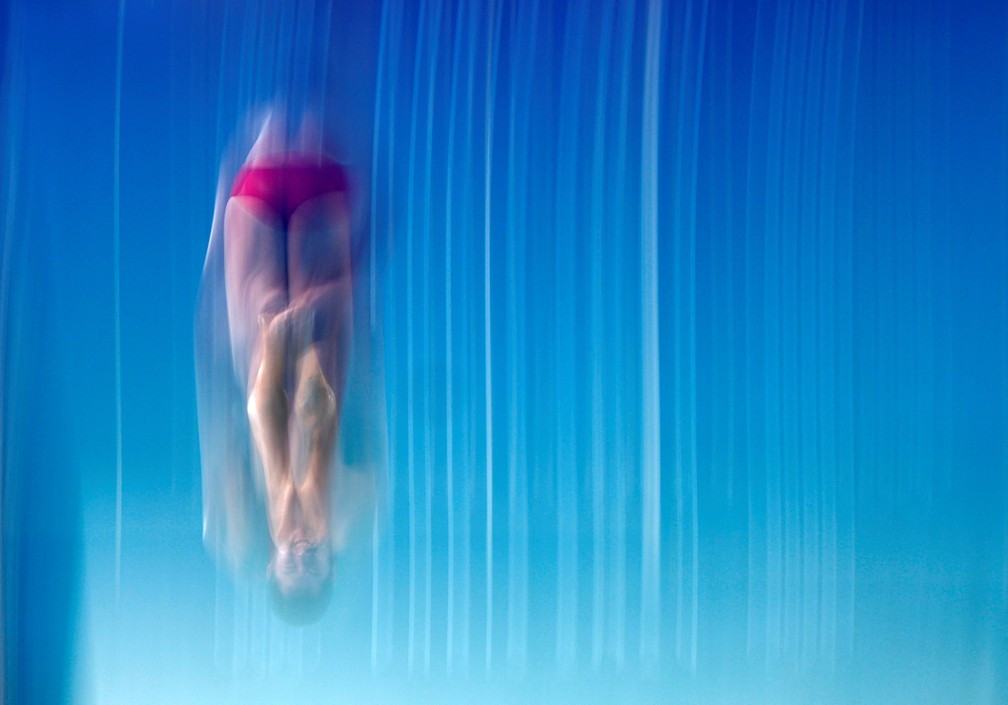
<point x="315" y="402"/>
<point x="266" y="406"/>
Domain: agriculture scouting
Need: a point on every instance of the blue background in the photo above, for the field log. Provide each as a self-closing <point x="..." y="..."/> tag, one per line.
<point x="695" y="322"/>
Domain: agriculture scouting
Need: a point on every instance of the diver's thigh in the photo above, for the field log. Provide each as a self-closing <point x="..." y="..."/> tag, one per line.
<point x="255" y="272"/>
<point x="320" y="278"/>
<point x="318" y="243"/>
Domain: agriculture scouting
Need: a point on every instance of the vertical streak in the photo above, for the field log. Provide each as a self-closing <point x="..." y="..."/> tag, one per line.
<point x="597" y="416"/>
<point x="793" y="430"/>
<point x="382" y="39"/>
<point x="218" y="141"/>
<point x="219" y="134"/>
<point x="731" y="265"/>
<point x="618" y="593"/>
<point x="517" y="521"/>
<point x="117" y="302"/>
<point x="814" y="497"/>
<point x="13" y="122"/>
<point x="566" y="353"/>
<point x="753" y="443"/>
<point x="449" y="410"/>
<point x="694" y="512"/>
<point x="511" y="295"/>
<point x="1003" y="336"/>
<point x="510" y="317"/>
<point x="220" y="651"/>
<point x="487" y="371"/>
<point x="326" y="29"/>
<point x="300" y="47"/>
<point x="776" y="504"/>
<point x="687" y="184"/>
<point x="852" y="566"/>
<point x="467" y="421"/>
<point x="410" y="422"/>
<point x="650" y="409"/>
<point x="282" y="36"/>
<point x="518" y="158"/>
<point x="829" y="372"/>
<point x="375" y="553"/>
<point x="677" y="346"/>
<point x="375" y="559"/>
<point x="307" y="56"/>
<point x="428" y="441"/>
<point x="173" y="197"/>
<point x="491" y="76"/>
<point x="240" y="641"/>
<point x="395" y="374"/>
<point x="249" y="73"/>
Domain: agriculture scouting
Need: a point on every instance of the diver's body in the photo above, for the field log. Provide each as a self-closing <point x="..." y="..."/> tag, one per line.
<point x="288" y="281"/>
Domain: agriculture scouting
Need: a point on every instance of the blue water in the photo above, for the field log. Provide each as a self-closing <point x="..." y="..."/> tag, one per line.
<point x="693" y="321"/>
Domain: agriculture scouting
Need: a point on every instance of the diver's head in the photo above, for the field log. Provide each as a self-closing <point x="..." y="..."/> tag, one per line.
<point x="300" y="576"/>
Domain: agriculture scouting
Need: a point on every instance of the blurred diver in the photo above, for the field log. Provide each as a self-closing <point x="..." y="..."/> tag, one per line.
<point x="288" y="286"/>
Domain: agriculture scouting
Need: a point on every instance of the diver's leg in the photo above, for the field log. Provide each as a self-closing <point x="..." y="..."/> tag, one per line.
<point x="255" y="274"/>
<point x="256" y="280"/>
<point x="317" y="416"/>
<point x="320" y="282"/>
<point x="320" y="278"/>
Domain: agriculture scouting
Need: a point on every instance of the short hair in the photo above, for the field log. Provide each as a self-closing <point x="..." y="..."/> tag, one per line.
<point x="300" y="605"/>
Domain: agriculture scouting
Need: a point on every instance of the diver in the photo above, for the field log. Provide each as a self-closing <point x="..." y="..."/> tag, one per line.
<point x="285" y="233"/>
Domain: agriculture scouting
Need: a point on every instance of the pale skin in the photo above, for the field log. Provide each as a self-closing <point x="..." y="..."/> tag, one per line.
<point x="289" y="308"/>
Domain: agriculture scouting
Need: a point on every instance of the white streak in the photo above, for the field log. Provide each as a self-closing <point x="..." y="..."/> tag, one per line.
<point x="449" y="411"/>
<point x="598" y="458"/>
<point x="372" y="320"/>
<point x="428" y="426"/>
<point x="650" y="411"/>
<point x="410" y="423"/>
<point x="491" y="71"/>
